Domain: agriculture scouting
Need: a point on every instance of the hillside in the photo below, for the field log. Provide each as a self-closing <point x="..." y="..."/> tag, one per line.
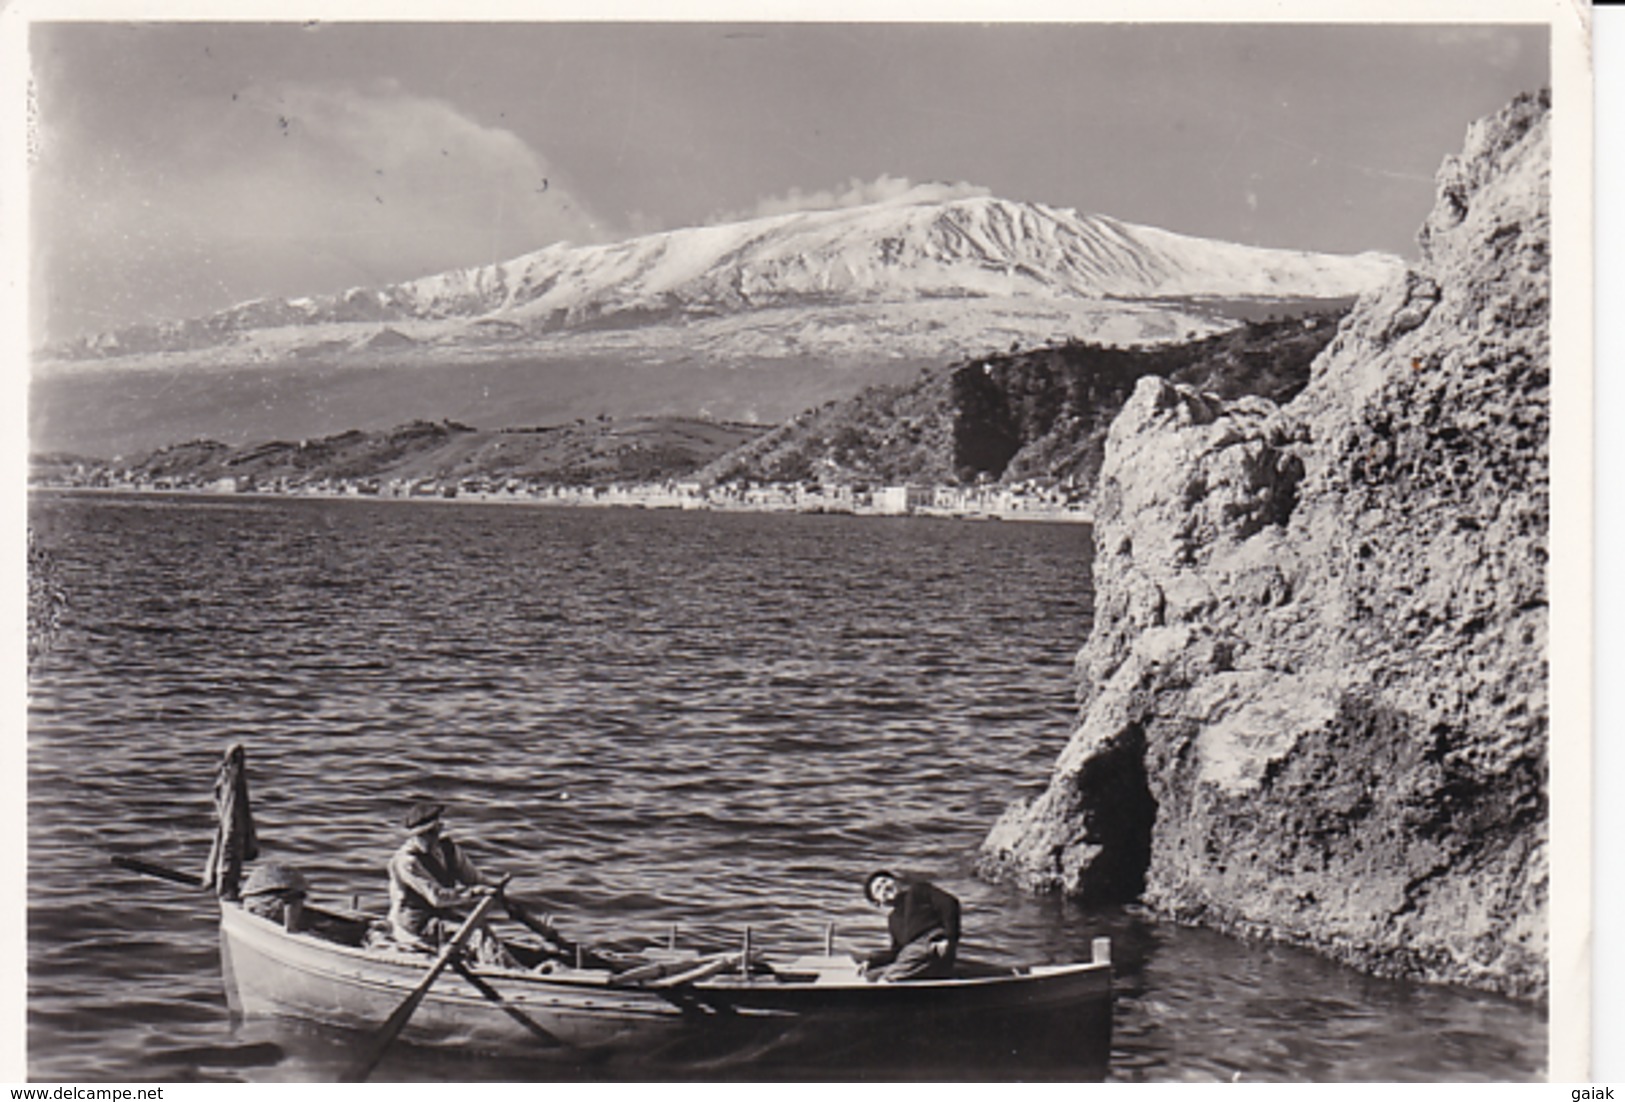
<point x="1038" y="415"/>
<point x="446" y="453"/>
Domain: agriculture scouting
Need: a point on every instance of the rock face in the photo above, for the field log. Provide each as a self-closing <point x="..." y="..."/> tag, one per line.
<point x="1040" y="414"/>
<point x="1313" y="706"/>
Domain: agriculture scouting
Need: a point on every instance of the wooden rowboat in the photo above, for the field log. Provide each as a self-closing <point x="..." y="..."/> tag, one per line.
<point x="683" y="1011"/>
<point x="659" y="1010"/>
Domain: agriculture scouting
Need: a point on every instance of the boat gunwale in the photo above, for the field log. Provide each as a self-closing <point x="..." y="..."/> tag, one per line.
<point x="598" y="979"/>
<point x="408" y="964"/>
<point x="532" y="991"/>
<point x="302" y="975"/>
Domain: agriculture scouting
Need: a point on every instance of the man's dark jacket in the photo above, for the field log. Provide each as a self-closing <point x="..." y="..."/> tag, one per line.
<point x="919" y="909"/>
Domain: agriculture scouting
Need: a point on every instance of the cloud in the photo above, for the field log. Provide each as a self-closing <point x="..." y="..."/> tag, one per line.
<point x="855" y="193"/>
<point x="285" y="190"/>
<point x="451" y="181"/>
<point x="1499" y="46"/>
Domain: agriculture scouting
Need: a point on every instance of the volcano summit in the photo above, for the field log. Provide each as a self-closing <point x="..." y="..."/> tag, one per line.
<point x="754" y="319"/>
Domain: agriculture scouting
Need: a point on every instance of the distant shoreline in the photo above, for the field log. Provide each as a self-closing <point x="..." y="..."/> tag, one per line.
<point x="1035" y="514"/>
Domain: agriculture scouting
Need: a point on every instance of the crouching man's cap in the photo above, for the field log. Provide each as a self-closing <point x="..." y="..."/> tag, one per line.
<point x="276" y="878"/>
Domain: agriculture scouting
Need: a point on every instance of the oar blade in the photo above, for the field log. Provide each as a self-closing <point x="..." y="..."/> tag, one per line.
<point x="397" y="1021"/>
<point x="390" y="1030"/>
<point x="531" y="1025"/>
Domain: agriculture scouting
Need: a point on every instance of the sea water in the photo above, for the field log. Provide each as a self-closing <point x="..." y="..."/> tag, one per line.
<point x="658" y="721"/>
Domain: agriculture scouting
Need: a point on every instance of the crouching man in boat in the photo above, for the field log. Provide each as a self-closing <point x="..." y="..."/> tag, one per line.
<point x="924" y="927"/>
<point x="429" y="878"/>
<point x="277" y="892"/>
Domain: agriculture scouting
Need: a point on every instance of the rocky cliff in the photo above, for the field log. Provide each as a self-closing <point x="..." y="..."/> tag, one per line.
<point x="1037" y="415"/>
<point x="1313" y="706"/>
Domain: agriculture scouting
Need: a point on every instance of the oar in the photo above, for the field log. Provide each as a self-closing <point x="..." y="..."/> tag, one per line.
<point x="157" y="871"/>
<point x="666" y="973"/>
<point x="697" y="973"/>
<point x="535" y="1028"/>
<point x="397" y="1021"/>
<point x="520" y="914"/>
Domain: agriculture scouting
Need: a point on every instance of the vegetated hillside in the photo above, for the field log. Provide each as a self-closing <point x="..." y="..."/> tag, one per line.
<point x="594" y="452"/>
<point x="120" y="410"/>
<point x="1039" y="415"/>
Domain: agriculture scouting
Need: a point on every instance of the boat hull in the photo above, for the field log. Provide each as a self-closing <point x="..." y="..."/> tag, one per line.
<point x="1048" y="1022"/>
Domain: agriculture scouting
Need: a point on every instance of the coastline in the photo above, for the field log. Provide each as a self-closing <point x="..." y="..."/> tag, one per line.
<point x="584" y="498"/>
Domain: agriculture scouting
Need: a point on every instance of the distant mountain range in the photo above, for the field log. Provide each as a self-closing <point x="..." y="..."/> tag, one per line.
<point x="957" y="264"/>
<point x="751" y="320"/>
<point x="1039" y="416"/>
<point x="582" y="453"/>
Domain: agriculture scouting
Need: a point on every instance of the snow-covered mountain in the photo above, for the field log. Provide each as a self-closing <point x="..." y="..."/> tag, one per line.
<point x="751" y="321"/>
<point x="901" y="278"/>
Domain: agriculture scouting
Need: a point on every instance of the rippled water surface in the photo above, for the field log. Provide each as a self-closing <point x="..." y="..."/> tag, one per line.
<point x="653" y="718"/>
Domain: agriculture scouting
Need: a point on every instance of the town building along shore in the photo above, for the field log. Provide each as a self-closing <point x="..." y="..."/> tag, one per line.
<point x="1020" y="502"/>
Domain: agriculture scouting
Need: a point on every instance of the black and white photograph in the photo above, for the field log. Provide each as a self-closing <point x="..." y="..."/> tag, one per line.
<point x="603" y="547"/>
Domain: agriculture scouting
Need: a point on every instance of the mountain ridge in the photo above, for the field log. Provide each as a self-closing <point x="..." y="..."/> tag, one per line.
<point x="748" y="321"/>
<point x="897" y="251"/>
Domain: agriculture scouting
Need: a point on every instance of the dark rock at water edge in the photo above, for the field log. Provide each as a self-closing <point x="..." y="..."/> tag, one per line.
<point x="1313" y="706"/>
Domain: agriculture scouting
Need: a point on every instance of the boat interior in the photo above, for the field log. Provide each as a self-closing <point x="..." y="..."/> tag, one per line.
<point x="356" y="930"/>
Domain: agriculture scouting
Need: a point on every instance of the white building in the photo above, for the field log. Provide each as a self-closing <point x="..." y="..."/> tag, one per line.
<point x="897" y="500"/>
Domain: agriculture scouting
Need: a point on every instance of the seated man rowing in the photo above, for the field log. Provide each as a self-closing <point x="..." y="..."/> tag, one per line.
<point x="429" y="878"/>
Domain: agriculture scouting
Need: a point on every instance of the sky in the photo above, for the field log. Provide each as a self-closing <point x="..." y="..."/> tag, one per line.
<point x="180" y="168"/>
